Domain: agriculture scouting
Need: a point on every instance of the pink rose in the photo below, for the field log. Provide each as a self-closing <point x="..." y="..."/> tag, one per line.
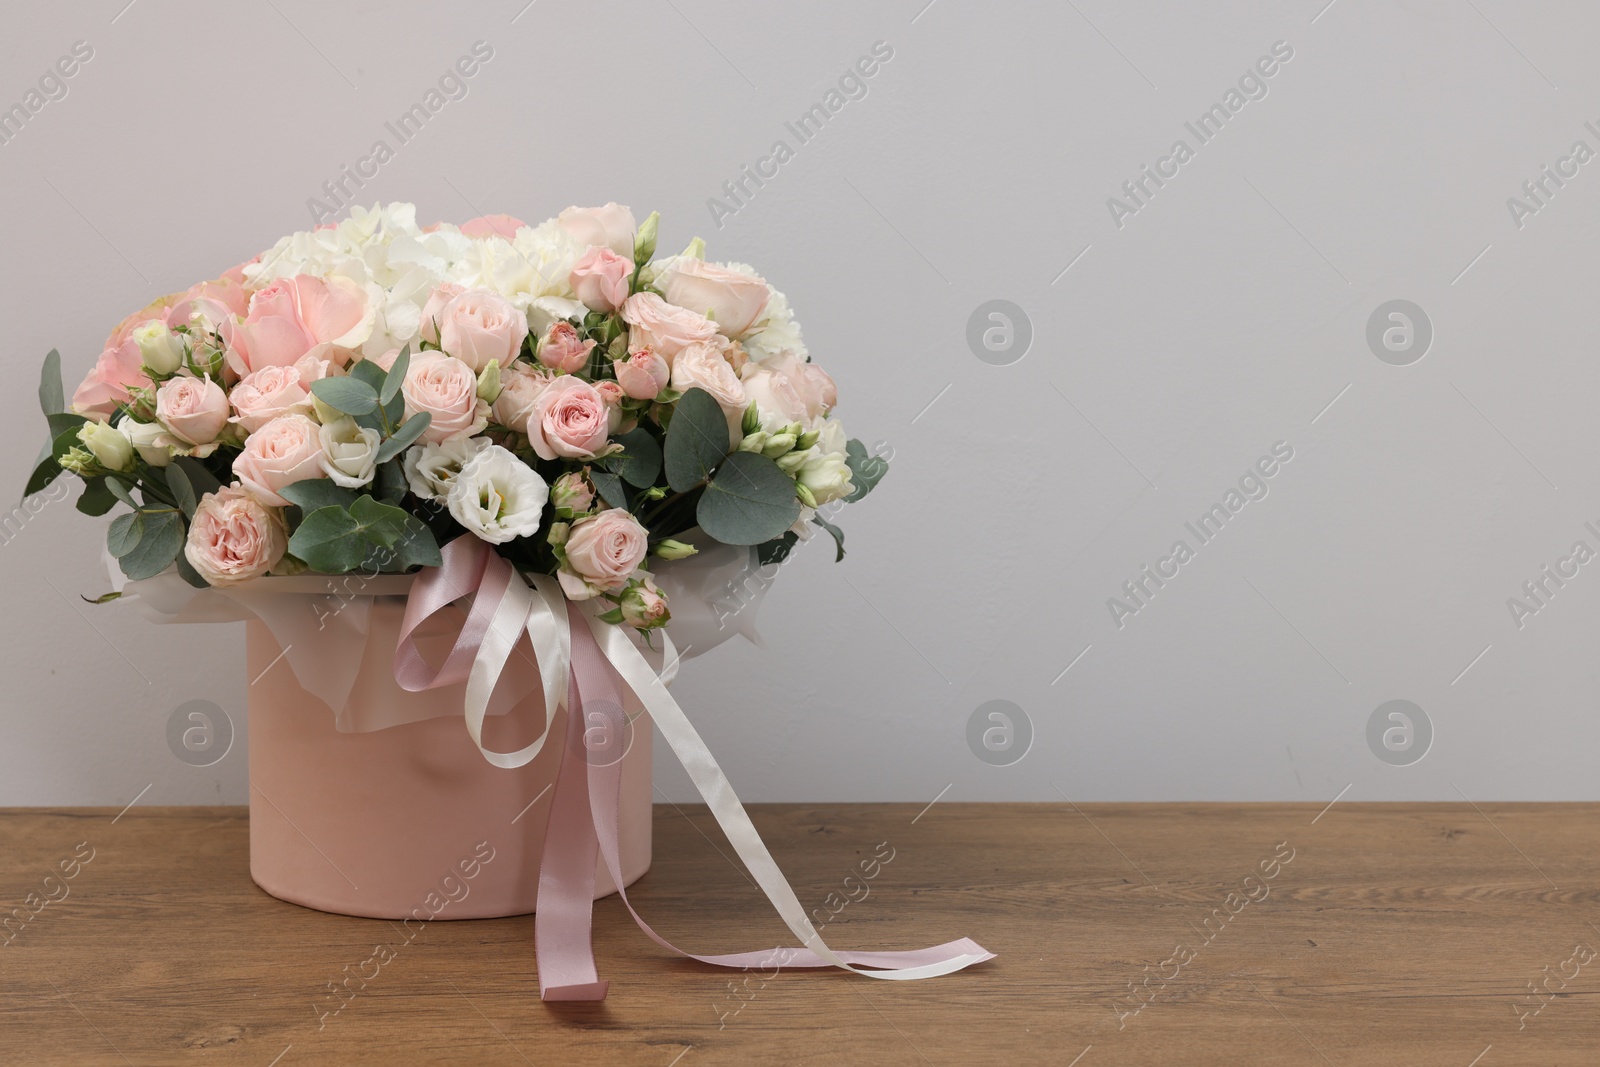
<point x="118" y="368"/>
<point x="560" y="349"/>
<point x="643" y="374"/>
<point x="233" y="537"/>
<point x="602" y="551"/>
<point x="573" y="491"/>
<point x="613" y="395"/>
<point x="790" y="388"/>
<point x="570" y="419"/>
<point x="734" y="300"/>
<point x="194" y="410"/>
<point x="700" y="366"/>
<point x="302" y="315"/>
<point x="433" y="310"/>
<point x="603" y="227"/>
<point x="265" y="394"/>
<point x="446" y="389"/>
<point x="667" y="329"/>
<point x="284" y="451"/>
<point x="520" y="386"/>
<point x="478" y="326"/>
<point x="600" y="279"/>
<point x="493" y="226"/>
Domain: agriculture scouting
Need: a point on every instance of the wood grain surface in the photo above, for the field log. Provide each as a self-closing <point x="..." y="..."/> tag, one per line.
<point x="1127" y="934"/>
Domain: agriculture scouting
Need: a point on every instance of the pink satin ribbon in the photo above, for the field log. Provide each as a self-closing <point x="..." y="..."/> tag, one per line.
<point x="584" y="812"/>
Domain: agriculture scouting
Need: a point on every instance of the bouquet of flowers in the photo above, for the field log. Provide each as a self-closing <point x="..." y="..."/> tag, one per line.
<point x="365" y="392"/>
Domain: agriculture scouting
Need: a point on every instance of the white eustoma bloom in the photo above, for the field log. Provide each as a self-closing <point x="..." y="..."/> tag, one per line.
<point x="149" y="439"/>
<point x="498" y="497"/>
<point x="349" y="452"/>
<point x="430" y="468"/>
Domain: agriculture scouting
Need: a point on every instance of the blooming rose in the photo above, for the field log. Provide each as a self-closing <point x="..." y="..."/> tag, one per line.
<point x="520" y="386"/>
<point x="233" y="537"/>
<point x="433" y="310"/>
<point x="788" y="389"/>
<point x="643" y="374"/>
<point x="328" y="318"/>
<point x="284" y="451"/>
<point x="600" y="279"/>
<point x="659" y="325"/>
<point x="349" y="452"/>
<point x="194" y="410"/>
<point x="265" y="394"/>
<point x="446" y="389"/>
<point x="602" y="553"/>
<point x="498" y="497"/>
<point x="733" y="299"/>
<point x="491" y="225"/>
<point x="570" y="419"/>
<point x="561" y="350"/>
<point x="605" y="227"/>
<point x="430" y="468"/>
<point x="700" y="366"/>
<point x="478" y="326"/>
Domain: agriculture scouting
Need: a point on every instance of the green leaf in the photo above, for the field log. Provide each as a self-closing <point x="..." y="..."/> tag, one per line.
<point x="416" y="547"/>
<point x="350" y="395"/>
<point x="865" y="471"/>
<point x="201" y="480"/>
<point x="120" y="491"/>
<point x="396" y="376"/>
<point x="314" y="493"/>
<point x="389" y="484"/>
<point x="377" y="522"/>
<point x="125" y="533"/>
<point x="103" y="598"/>
<point x="697" y="439"/>
<point x="47" y="471"/>
<point x="329" y="540"/>
<point x="609" y="486"/>
<point x="158" y="546"/>
<point x="182" y="490"/>
<point x="750" y="500"/>
<point x="62" y="421"/>
<point x="97" y="499"/>
<point x="776" y="550"/>
<point x="368" y="372"/>
<point x="640" y="461"/>
<point x="404" y="436"/>
<point x="52" y="396"/>
<point x="838" y="535"/>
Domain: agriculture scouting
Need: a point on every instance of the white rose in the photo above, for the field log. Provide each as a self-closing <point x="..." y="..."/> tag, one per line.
<point x="430" y="468"/>
<point x="498" y="497"/>
<point x="149" y="439"/>
<point x="159" y="347"/>
<point x="112" y="450"/>
<point x="349" y="452"/>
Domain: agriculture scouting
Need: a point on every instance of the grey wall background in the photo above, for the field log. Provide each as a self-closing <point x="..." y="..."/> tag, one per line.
<point x="1168" y="354"/>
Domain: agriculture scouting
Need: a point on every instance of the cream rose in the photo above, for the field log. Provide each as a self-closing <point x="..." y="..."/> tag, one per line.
<point x="194" y="410"/>
<point x="602" y="553"/>
<point x="349" y="452"/>
<point x="447" y="389"/>
<point x="233" y="537"/>
<point x="498" y="497"/>
<point x="284" y="451"/>
<point x="733" y="299"/>
<point x="570" y="420"/>
<point x="667" y="329"/>
<point x="478" y="326"/>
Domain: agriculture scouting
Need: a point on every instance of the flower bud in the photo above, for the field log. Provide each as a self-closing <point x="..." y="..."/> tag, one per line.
<point x="790" y="462"/>
<point x="696" y="249"/>
<point x="159" y="347"/>
<point x="670" y="549"/>
<point x="794" y="428"/>
<point x="752" y="419"/>
<point x="643" y="606"/>
<point x="558" y="533"/>
<point x="644" y="242"/>
<point x="79" y="462"/>
<point x="110" y="448"/>
<point x="778" y="444"/>
<point x="573" y="492"/>
<point x="805" y="495"/>
<point x="754" y="442"/>
<point x="807" y="439"/>
<point x="489" y="382"/>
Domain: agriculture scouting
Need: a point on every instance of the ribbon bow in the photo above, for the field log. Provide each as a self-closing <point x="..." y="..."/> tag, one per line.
<point x="583" y="662"/>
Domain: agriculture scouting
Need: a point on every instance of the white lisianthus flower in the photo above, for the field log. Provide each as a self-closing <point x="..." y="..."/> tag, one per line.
<point x="349" y="452"/>
<point x="149" y="439"/>
<point x="430" y="468"/>
<point x="498" y="497"/>
<point x="112" y="450"/>
<point x="826" y="475"/>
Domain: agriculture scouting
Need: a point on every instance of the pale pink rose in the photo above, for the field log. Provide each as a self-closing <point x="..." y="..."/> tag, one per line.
<point x="560" y="349"/>
<point x="520" y="386"/>
<point x="602" y="551"/>
<point x="600" y="279"/>
<point x="643" y="374"/>
<point x="700" y="366"/>
<point x="493" y="226"/>
<point x="118" y="368"/>
<point x="667" y="329"/>
<point x="478" y="326"/>
<point x="604" y="227"/>
<point x="613" y="395"/>
<point x="265" y="394"/>
<point x="194" y="410"/>
<point x="573" y="491"/>
<point x="446" y="389"/>
<point x="734" y="300"/>
<point x="570" y="419"/>
<point x="433" y="310"/>
<point x="296" y="316"/>
<point x="284" y="451"/>
<point x="790" y="388"/>
<point x="233" y="537"/>
<point x="228" y="290"/>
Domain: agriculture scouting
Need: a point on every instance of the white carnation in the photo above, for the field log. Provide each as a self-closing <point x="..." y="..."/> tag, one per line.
<point x="498" y="497"/>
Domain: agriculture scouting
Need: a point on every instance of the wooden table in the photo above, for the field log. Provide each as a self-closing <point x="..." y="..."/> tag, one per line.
<point x="1174" y="934"/>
